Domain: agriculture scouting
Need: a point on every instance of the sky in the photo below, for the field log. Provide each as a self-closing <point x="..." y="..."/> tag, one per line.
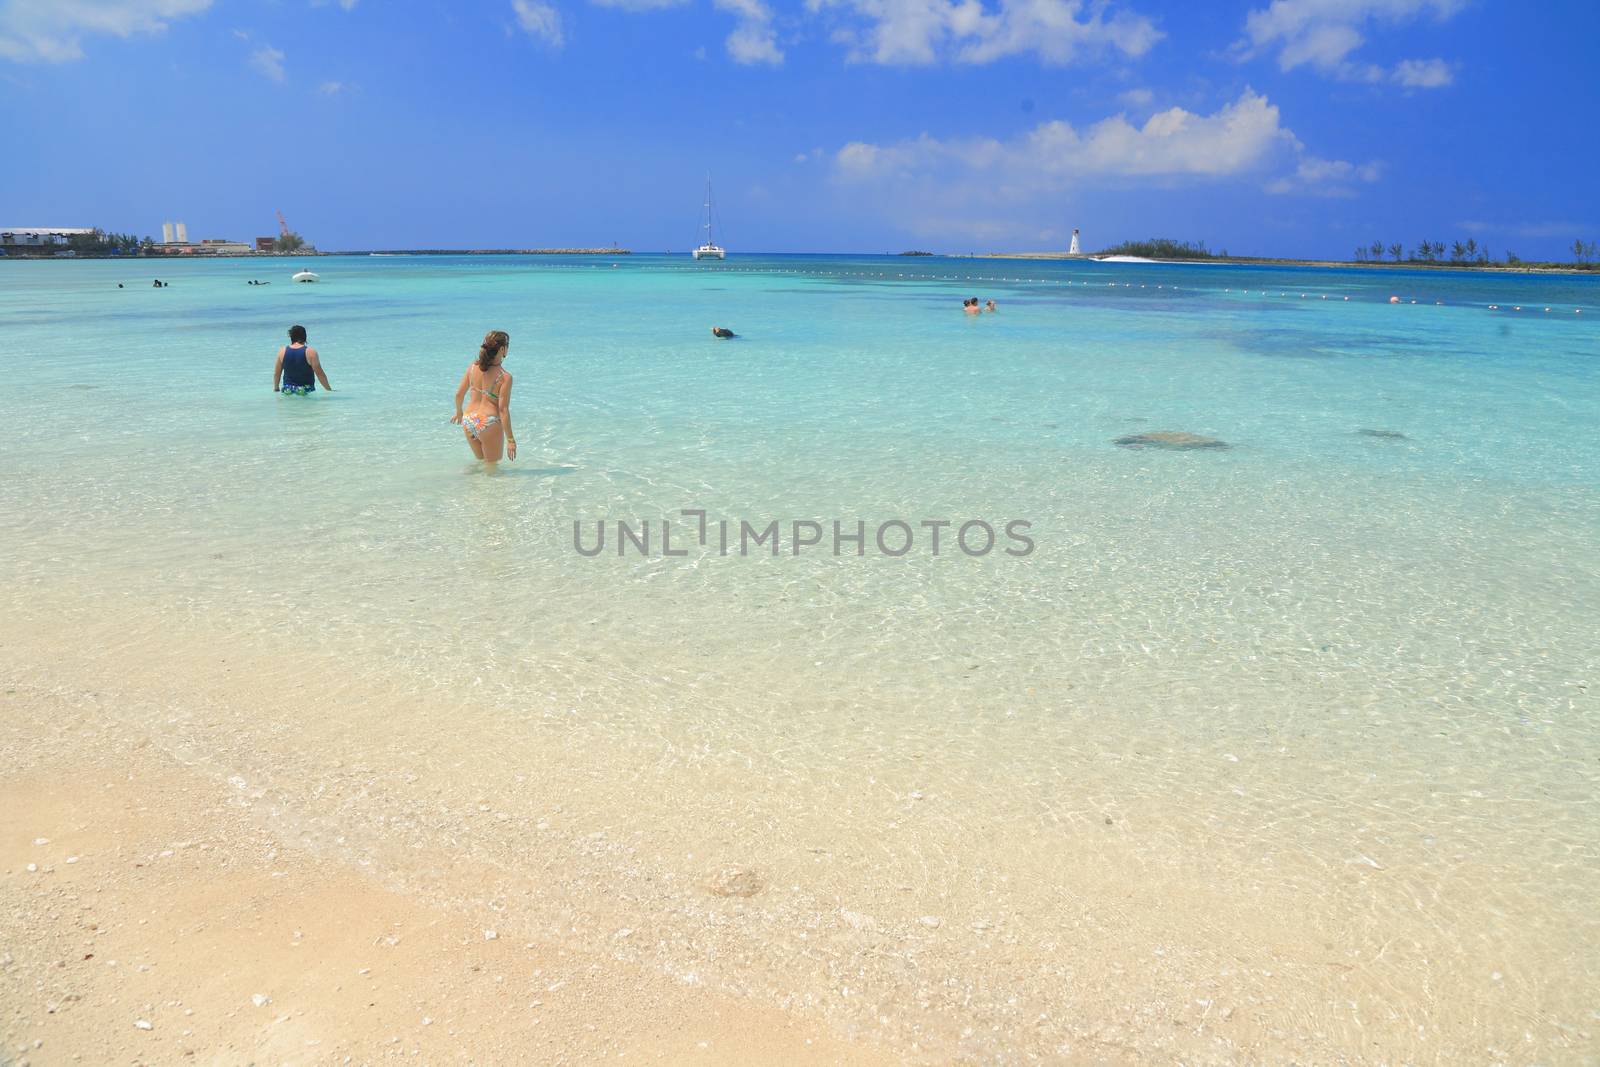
<point x="1263" y="127"/>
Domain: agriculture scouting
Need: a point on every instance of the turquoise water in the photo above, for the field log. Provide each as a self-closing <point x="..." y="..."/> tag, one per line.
<point x="1315" y="652"/>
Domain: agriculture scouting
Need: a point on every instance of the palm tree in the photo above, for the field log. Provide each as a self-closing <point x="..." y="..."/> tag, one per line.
<point x="1377" y="249"/>
<point x="1397" y="251"/>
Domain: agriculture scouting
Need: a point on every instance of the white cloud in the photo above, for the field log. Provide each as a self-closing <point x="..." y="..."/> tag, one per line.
<point x="1326" y="177"/>
<point x="1236" y="139"/>
<point x="1423" y="73"/>
<point x="753" y="40"/>
<point x="52" y="31"/>
<point x="1325" y="34"/>
<point x="332" y="88"/>
<point x="539" y="19"/>
<point x="989" y="188"/>
<point x="1136" y="97"/>
<point x="914" y="32"/>
<point x="639" y="5"/>
<point x="269" y="61"/>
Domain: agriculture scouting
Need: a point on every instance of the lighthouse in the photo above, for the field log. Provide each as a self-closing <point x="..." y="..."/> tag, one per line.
<point x="1073" y="251"/>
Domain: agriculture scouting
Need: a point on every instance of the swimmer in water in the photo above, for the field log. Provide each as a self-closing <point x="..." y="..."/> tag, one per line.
<point x="722" y="332"/>
<point x="990" y="306"/>
<point x="970" y="306"/>
<point x="486" y="388"/>
<point x="297" y="364"/>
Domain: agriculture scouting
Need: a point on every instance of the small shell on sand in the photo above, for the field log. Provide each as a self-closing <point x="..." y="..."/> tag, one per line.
<point x="735" y="882"/>
<point x="1176" y="440"/>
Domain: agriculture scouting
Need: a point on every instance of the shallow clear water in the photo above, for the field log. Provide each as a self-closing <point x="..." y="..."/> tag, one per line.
<point x="1323" y="688"/>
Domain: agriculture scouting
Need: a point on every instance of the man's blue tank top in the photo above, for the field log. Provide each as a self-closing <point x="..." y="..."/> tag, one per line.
<point x="296" y="369"/>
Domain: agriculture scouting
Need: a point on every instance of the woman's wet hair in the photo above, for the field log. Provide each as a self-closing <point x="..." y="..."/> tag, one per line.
<point x="493" y="342"/>
<point x="297" y="335"/>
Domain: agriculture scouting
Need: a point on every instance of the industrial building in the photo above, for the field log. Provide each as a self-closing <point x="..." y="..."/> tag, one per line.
<point x="174" y="241"/>
<point x="211" y="246"/>
<point x="40" y="237"/>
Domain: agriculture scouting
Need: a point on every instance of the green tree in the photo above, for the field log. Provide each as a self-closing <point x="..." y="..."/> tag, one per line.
<point x="1361" y="253"/>
<point x="1472" y="248"/>
<point x="289" y="242"/>
<point x="1160" y="248"/>
<point x="1377" y="249"/>
<point x="1397" y="251"/>
<point x="1512" y="259"/>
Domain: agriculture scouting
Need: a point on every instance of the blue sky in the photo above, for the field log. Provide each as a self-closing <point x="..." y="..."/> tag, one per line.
<point x="1279" y="127"/>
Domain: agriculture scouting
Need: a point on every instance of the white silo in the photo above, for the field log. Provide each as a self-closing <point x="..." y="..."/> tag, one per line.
<point x="183" y="234"/>
<point x="166" y="233"/>
<point x="1073" y="251"/>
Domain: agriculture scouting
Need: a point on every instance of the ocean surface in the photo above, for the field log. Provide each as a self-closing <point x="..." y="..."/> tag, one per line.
<point x="1283" y="750"/>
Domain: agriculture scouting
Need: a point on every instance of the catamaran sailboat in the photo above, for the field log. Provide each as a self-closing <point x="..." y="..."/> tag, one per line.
<point x="710" y="250"/>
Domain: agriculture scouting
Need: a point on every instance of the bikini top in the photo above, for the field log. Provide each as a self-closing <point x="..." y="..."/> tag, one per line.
<point x="487" y="393"/>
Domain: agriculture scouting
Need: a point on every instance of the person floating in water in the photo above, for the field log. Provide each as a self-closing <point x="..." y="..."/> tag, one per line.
<point x="722" y="332"/>
<point x="156" y="284"/>
<point x="970" y="306"/>
<point x="293" y="374"/>
<point x="486" y="388"/>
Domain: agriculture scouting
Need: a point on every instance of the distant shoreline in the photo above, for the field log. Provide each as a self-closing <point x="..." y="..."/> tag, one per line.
<point x="162" y="257"/>
<point x="1224" y="261"/>
<point x="1262" y="261"/>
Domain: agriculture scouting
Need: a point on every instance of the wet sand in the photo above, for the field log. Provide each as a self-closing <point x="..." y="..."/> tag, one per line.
<point x="224" y="829"/>
<point x="150" y="917"/>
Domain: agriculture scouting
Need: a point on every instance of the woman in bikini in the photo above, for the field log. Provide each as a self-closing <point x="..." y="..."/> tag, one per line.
<point x="486" y="388"/>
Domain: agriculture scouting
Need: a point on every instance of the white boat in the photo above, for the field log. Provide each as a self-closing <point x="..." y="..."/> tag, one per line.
<point x="305" y="276"/>
<point x="710" y="249"/>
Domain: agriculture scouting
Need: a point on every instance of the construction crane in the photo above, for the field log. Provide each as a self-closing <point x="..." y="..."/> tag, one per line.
<point x="283" y="225"/>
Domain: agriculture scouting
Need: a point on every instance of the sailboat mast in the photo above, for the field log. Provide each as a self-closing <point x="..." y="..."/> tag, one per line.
<point x="710" y="234"/>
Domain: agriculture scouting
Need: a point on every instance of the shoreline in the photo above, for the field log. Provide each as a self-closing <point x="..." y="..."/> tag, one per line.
<point x="216" y="808"/>
<point x="186" y="257"/>
<point x="1328" y="264"/>
<point x="1215" y="261"/>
